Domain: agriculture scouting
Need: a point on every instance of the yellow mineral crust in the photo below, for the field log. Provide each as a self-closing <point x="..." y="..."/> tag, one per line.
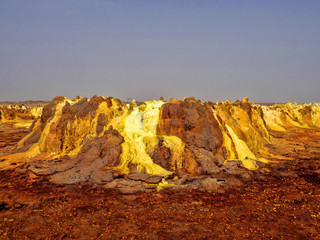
<point x="36" y="127"/>
<point x="36" y="111"/>
<point x="81" y="129"/>
<point x="280" y="117"/>
<point x="37" y="148"/>
<point x="273" y="119"/>
<point x="1" y="115"/>
<point x="53" y="120"/>
<point x="140" y="131"/>
<point x="138" y="126"/>
<point x="22" y="116"/>
<point x="41" y="146"/>
<point x="243" y="130"/>
<point x="73" y="135"/>
<point x="177" y="146"/>
<point x="315" y="114"/>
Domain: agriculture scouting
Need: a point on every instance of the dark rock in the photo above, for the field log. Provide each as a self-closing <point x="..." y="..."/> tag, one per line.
<point x="182" y="180"/>
<point x="210" y="184"/>
<point x="110" y="185"/>
<point x="220" y="161"/>
<point x="18" y="205"/>
<point x="4" y="206"/>
<point x="247" y="175"/>
<point x="196" y="125"/>
<point x="139" y="176"/>
<point x="153" y="179"/>
<point x="181" y="173"/>
<point x="233" y="167"/>
<point x="102" y="176"/>
<point x="207" y="162"/>
<point x="233" y="181"/>
<point x="126" y="183"/>
<point x="262" y="164"/>
<point x="88" y="164"/>
<point x="148" y="186"/>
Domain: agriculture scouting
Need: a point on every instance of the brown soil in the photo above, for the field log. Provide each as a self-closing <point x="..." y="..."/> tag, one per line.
<point x="10" y="136"/>
<point x="276" y="207"/>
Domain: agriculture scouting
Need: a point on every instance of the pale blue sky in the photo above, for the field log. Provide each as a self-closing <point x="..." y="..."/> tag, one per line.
<point x="212" y="50"/>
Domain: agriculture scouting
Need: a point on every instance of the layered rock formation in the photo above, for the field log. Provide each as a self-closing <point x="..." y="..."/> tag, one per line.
<point x="19" y="114"/>
<point x="101" y="140"/>
<point x="281" y="117"/>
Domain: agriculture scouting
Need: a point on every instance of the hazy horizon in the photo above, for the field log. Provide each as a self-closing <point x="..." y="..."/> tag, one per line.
<point x="131" y="99"/>
<point x="211" y="50"/>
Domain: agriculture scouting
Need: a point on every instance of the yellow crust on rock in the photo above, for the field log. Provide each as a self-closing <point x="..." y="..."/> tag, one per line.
<point x="140" y="127"/>
<point x="245" y="130"/>
<point x="236" y="125"/>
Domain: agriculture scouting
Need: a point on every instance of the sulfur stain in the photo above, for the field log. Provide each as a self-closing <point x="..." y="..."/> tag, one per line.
<point x="140" y="128"/>
<point x="238" y="149"/>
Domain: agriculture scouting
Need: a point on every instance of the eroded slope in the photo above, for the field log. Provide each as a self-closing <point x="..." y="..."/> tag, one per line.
<point x="102" y="140"/>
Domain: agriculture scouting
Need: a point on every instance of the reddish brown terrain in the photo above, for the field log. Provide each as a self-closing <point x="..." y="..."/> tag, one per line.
<point x="207" y="199"/>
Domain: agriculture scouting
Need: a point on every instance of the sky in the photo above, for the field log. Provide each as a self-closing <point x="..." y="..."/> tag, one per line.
<point x="144" y="49"/>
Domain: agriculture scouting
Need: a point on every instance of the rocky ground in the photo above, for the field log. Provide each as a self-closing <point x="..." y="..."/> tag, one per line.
<point x="10" y="136"/>
<point x="283" y="204"/>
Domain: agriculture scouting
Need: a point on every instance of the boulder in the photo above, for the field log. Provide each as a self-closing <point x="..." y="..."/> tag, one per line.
<point x="210" y="184"/>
